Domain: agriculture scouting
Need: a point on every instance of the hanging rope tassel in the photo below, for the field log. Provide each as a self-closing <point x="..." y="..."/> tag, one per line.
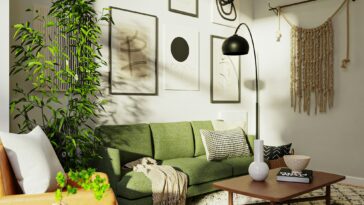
<point x="346" y="61"/>
<point x="279" y="34"/>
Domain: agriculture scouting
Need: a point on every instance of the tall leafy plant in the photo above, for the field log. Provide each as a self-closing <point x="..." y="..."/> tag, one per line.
<point x="44" y="63"/>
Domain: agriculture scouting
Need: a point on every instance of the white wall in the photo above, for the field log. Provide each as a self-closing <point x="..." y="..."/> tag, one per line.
<point x="4" y="71"/>
<point x="168" y="105"/>
<point x="334" y="140"/>
<point x="178" y="105"/>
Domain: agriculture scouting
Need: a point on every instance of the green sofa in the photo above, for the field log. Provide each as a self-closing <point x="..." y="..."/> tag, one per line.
<point x="176" y="144"/>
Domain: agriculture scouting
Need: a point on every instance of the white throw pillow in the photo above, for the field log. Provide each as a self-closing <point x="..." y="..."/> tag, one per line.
<point x="33" y="159"/>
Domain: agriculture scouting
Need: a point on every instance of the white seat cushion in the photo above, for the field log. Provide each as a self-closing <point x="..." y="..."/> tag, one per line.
<point x="33" y="160"/>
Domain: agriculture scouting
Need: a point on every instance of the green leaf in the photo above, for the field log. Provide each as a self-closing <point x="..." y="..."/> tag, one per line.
<point x="71" y="190"/>
<point x="12" y="107"/>
<point x="34" y="63"/>
<point x="50" y="24"/>
<point x="18" y="26"/>
<point x="58" y="195"/>
<point x="60" y="124"/>
<point x="74" y="143"/>
<point x="61" y="180"/>
<point x="52" y="50"/>
<point x="50" y="63"/>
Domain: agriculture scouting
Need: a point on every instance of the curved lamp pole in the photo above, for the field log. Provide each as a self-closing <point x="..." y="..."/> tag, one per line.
<point x="237" y="45"/>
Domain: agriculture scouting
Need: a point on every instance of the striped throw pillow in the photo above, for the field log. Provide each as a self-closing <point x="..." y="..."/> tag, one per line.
<point x="220" y="145"/>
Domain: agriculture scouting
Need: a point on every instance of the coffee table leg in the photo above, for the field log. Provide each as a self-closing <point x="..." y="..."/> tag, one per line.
<point x="231" y="200"/>
<point x="328" y="194"/>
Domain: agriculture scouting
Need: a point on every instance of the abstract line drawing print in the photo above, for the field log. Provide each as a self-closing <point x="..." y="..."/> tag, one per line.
<point x="225" y="74"/>
<point x="227" y="9"/>
<point x="131" y="46"/>
<point x="133" y="53"/>
<point x="225" y="12"/>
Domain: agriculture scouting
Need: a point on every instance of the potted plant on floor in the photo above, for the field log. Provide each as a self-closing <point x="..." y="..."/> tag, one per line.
<point x="64" y="54"/>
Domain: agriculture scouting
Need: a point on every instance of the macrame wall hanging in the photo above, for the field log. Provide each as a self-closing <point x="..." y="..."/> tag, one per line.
<point x="312" y="63"/>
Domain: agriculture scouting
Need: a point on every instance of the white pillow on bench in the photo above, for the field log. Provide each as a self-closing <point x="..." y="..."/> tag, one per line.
<point x="33" y="160"/>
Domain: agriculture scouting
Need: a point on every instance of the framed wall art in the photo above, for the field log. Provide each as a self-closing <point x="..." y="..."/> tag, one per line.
<point x="181" y="59"/>
<point x="225" y="12"/>
<point x="225" y="74"/>
<point x="133" y="53"/>
<point x="185" y="7"/>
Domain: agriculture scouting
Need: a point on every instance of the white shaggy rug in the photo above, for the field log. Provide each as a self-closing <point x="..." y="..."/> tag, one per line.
<point x="340" y="195"/>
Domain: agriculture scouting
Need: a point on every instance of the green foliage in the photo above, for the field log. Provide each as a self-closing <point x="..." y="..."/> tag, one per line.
<point x="65" y="117"/>
<point x="83" y="179"/>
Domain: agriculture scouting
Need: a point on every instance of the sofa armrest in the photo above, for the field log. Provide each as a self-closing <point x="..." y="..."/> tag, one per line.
<point x="82" y="197"/>
<point x="109" y="164"/>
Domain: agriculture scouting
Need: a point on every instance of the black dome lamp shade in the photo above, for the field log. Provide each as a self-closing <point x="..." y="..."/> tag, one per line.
<point x="237" y="45"/>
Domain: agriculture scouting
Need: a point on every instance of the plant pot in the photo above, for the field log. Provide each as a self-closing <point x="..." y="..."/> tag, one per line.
<point x="258" y="170"/>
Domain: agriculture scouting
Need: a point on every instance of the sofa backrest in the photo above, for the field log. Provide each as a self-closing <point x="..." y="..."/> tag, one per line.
<point x="160" y="141"/>
<point x="197" y="126"/>
<point x="133" y="141"/>
<point x="172" y="140"/>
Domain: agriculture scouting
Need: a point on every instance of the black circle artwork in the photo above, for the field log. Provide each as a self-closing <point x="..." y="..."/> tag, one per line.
<point x="180" y="49"/>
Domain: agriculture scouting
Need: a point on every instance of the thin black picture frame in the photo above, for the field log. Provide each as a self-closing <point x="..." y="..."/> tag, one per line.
<point x="212" y="37"/>
<point x="196" y="14"/>
<point x="155" y="93"/>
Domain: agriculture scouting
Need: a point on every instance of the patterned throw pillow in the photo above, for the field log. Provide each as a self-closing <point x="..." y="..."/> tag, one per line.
<point x="220" y="145"/>
<point x="273" y="152"/>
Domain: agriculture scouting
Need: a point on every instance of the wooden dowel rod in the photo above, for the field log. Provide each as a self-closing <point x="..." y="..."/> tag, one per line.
<point x="289" y="5"/>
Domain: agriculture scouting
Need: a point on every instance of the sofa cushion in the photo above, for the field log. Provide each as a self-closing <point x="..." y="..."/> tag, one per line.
<point x="142" y="197"/>
<point x="200" y="189"/>
<point x="240" y="165"/>
<point x="200" y="170"/>
<point x="197" y="126"/>
<point x="134" y="185"/>
<point x="172" y="140"/>
<point x="133" y="141"/>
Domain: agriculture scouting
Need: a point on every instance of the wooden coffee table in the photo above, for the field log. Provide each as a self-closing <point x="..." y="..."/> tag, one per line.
<point x="278" y="192"/>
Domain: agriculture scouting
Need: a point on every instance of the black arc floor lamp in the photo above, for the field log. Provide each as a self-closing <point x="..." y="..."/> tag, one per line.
<point x="237" y="45"/>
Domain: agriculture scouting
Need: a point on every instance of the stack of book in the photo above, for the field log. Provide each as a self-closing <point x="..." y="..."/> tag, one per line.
<point x="286" y="175"/>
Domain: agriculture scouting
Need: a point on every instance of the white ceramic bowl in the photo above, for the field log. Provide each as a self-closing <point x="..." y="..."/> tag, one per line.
<point x="296" y="163"/>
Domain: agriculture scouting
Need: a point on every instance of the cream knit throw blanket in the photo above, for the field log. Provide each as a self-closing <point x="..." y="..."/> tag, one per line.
<point x="169" y="186"/>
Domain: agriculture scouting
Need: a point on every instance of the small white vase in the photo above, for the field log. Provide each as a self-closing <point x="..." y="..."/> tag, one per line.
<point x="258" y="170"/>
